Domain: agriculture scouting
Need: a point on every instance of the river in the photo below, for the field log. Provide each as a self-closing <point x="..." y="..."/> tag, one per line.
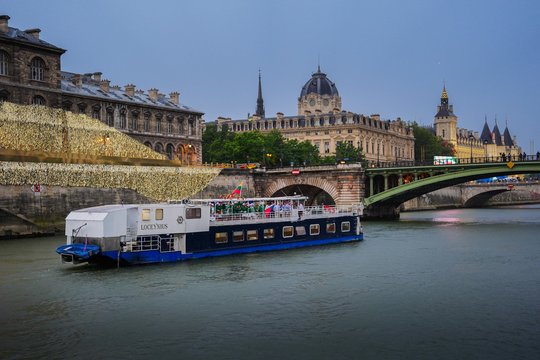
<point x="452" y="284"/>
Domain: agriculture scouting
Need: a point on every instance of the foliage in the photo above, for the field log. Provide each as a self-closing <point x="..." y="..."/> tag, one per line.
<point x="427" y="144"/>
<point x="348" y="152"/>
<point x="270" y="149"/>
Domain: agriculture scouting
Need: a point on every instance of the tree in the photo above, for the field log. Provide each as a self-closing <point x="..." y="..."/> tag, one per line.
<point x="345" y="151"/>
<point x="427" y="144"/>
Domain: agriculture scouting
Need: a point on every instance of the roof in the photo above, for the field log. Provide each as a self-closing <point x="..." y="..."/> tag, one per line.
<point x="91" y="88"/>
<point x="486" y="134"/>
<point x="319" y="84"/>
<point x="507" y="138"/>
<point x="23" y="37"/>
<point x="497" y="135"/>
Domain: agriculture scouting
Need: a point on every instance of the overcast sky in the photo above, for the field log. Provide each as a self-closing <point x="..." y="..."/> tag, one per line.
<point x="386" y="57"/>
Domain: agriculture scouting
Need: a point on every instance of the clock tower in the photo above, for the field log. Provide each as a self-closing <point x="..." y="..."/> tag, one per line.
<point x="319" y="94"/>
<point x="446" y="121"/>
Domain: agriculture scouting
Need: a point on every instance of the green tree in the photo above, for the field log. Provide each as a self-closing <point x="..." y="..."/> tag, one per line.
<point x="346" y="151"/>
<point x="427" y="144"/>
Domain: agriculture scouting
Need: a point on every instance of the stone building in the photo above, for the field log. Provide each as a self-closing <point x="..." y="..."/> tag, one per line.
<point x="322" y="122"/>
<point x="30" y="73"/>
<point x="468" y="143"/>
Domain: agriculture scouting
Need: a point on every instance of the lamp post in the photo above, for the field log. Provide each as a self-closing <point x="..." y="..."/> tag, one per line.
<point x="471" y="138"/>
<point x="485" y="150"/>
<point x="378" y="146"/>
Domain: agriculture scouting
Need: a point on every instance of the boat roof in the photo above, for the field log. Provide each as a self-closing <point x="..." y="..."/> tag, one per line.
<point x="105" y="208"/>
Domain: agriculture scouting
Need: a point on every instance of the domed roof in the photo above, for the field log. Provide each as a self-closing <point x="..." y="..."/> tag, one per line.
<point x="319" y="84"/>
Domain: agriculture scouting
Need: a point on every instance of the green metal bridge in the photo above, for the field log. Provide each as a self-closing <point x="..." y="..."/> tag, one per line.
<point x="390" y="185"/>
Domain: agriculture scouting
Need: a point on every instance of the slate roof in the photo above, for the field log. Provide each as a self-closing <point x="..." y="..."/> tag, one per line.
<point x="486" y="134"/>
<point x="497" y="135"/>
<point x="23" y="37"/>
<point x="507" y="138"/>
<point x="91" y="88"/>
<point x="319" y="84"/>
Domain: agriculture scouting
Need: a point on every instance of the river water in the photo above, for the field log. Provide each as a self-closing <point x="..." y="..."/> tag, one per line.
<point x="452" y="284"/>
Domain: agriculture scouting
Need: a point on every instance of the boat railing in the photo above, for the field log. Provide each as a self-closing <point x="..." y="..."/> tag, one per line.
<point x="286" y="214"/>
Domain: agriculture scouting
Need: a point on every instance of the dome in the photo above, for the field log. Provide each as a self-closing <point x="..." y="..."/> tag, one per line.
<point x="319" y="84"/>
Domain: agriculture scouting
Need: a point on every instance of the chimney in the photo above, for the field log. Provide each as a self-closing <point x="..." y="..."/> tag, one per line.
<point x="175" y="97"/>
<point x="104" y="85"/>
<point x="77" y="80"/>
<point x="153" y="94"/>
<point x="130" y="90"/>
<point x="34" y="32"/>
<point x="375" y="116"/>
<point x="97" y="76"/>
<point x="279" y="114"/>
<point x="4" y="19"/>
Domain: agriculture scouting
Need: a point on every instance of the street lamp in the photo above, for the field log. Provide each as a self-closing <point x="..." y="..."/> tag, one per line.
<point x="471" y="138"/>
<point x="485" y="150"/>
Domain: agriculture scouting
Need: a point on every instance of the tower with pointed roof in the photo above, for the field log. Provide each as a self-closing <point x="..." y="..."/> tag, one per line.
<point x="259" y="111"/>
<point x="445" y="120"/>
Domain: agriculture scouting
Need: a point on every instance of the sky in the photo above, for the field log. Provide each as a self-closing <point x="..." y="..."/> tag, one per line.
<point x="386" y="57"/>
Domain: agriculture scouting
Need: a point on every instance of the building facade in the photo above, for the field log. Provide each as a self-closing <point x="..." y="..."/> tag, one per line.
<point x="468" y="143"/>
<point x="30" y="73"/>
<point x="322" y="122"/>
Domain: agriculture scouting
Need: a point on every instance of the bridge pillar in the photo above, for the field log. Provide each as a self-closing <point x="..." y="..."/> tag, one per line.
<point x="385" y="182"/>
<point x="400" y="179"/>
<point x="386" y="212"/>
<point x="415" y="176"/>
<point x="371" y="185"/>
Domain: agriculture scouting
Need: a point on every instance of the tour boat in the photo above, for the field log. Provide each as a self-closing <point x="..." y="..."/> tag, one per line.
<point x="192" y="229"/>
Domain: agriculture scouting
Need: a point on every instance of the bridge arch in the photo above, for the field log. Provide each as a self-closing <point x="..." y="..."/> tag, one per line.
<point x="481" y="199"/>
<point x="314" y="188"/>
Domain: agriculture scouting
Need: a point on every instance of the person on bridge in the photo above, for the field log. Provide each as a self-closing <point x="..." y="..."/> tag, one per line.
<point x="538" y="155"/>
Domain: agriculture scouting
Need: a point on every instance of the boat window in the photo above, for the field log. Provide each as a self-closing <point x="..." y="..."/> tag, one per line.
<point x="193" y="213"/>
<point x="300" y="230"/>
<point x="287" y="231"/>
<point x="331" y="228"/>
<point x="269" y="233"/>
<point x="237" y="236"/>
<point x="159" y="214"/>
<point x="314" y="229"/>
<point x="253" y="234"/>
<point x="145" y="215"/>
<point x="221" y="237"/>
<point x="345" y="226"/>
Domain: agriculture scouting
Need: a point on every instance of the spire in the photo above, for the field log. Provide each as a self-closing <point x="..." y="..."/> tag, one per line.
<point x="497" y="134"/>
<point x="260" y="102"/>
<point x="444" y="109"/>
<point x="444" y="95"/>
<point x="486" y="133"/>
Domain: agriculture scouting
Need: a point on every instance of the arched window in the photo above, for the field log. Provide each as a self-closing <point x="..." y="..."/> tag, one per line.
<point x="134" y="120"/>
<point x="169" y="126"/>
<point x="38" y="69"/>
<point x="38" y="100"/>
<point x="4" y="63"/>
<point x="170" y="151"/>
<point x="96" y="113"/>
<point x="146" y="124"/>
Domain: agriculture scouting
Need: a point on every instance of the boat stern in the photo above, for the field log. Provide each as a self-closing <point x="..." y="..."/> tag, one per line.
<point x="78" y="253"/>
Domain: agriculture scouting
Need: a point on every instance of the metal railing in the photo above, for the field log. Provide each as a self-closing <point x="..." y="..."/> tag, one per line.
<point x="287" y="215"/>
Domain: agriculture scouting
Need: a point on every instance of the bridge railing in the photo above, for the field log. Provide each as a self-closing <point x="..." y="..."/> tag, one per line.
<point x="458" y="161"/>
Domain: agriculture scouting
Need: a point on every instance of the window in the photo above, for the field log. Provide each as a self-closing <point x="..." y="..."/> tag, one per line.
<point x="345" y="226"/>
<point x="145" y="215"/>
<point x="287" y="231"/>
<point x="38" y="100"/>
<point x="326" y="147"/>
<point x="96" y="114"/>
<point x="159" y="214"/>
<point x="221" y="238"/>
<point x="146" y="122"/>
<point x="314" y="229"/>
<point x="300" y="230"/>
<point x="4" y="63"/>
<point x="169" y="127"/>
<point x="330" y="228"/>
<point x="38" y="69"/>
<point x="254" y="235"/>
<point x="123" y="121"/>
<point x="193" y="213"/>
<point x="237" y="236"/>
<point x="269" y="233"/>
<point x="158" y="126"/>
<point x="110" y="118"/>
